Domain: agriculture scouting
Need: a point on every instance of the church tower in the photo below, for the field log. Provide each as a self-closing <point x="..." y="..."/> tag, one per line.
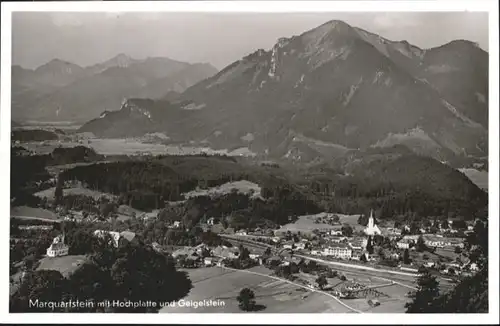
<point x="371" y="221"/>
<point x="371" y="228"/>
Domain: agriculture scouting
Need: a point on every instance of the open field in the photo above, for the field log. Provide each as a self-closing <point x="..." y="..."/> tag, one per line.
<point x="136" y="146"/>
<point x="51" y="124"/>
<point x="55" y="169"/>
<point x="306" y="224"/>
<point x="351" y="220"/>
<point x="242" y="186"/>
<point x="49" y="193"/>
<point x="394" y="302"/>
<point x="25" y="211"/>
<point x="46" y="147"/>
<point x="126" y="147"/>
<point x="277" y="296"/>
<point x="440" y="254"/>
<point x="66" y="264"/>
<point x="392" y="299"/>
<point x="131" y="146"/>
<point x="363" y="269"/>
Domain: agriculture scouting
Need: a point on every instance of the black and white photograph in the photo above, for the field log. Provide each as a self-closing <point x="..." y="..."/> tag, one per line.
<point x="218" y="162"/>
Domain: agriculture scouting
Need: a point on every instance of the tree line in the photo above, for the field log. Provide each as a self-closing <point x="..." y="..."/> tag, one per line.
<point x="409" y="186"/>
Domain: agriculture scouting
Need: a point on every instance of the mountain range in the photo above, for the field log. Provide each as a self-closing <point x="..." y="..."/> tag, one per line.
<point x="63" y="91"/>
<point x="328" y="91"/>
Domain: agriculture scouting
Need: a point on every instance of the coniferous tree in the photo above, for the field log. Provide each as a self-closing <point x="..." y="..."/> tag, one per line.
<point x="246" y="299"/>
<point x="321" y="281"/>
<point x="406" y="257"/>
<point x="369" y="245"/>
<point x="420" y="246"/>
<point x="428" y="291"/>
<point x="58" y="193"/>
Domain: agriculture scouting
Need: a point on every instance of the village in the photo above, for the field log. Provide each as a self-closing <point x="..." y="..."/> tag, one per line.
<point x="371" y="260"/>
<point x="340" y="244"/>
<point x="393" y="245"/>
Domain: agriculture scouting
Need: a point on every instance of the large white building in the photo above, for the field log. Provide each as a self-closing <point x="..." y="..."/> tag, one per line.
<point x="372" y="228"/>
<point x="343" y="252"/>
<point x="443" y="242"/>
<point x="58" y="247"/>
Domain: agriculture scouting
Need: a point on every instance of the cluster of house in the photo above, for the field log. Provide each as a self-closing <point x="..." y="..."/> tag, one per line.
<point x="116" y="237"/>
<point x="80" y="218"/>
<point x="450" y="229"/>
<point x="128" y="211"/>
<point x="354" y="248"/>
<point x="452" y="268"/>
<point x="337" y="246"/>
<point x="342" y="247"/>
<point x="202" y="255"/>
<point x="430" y="240"/>
<point x="59" y="248"/>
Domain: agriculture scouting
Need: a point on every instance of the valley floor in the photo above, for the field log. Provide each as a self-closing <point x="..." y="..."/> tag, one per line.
<point x="275" y="295"/>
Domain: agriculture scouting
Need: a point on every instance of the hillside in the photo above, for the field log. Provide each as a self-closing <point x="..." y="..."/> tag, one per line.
<point x="62" y="91"/>
<point x="136" y="118"/>
<point x="395" y="186"/>
<point x="331" y="90"/>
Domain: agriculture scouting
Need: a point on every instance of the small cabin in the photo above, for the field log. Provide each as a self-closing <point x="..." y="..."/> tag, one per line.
<point x="373" y="302"/>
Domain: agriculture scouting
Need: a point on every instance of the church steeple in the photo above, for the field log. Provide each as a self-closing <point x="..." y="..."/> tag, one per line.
<point x="372" y="228"/>
<point x="371" y="222"/>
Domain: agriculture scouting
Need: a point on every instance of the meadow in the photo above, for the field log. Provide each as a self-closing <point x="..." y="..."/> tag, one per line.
<point x="274" y="295"/>
<point x="65" y="264"/>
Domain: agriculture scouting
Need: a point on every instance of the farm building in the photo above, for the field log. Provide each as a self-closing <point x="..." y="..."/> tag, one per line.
<point x="373" y="302"/>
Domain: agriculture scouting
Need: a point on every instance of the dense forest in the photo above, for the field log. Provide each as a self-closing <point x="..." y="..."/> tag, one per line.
<point x="148" y="185"/>
<point x="394" y="185"/>
<point x="401" y="185"/>
<point x="397" y="185"/>
<point x="33" y="135"/>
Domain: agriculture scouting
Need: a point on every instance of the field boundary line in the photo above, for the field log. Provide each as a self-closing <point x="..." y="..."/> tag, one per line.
<point x="302" y="286"/>
<point x="36" y="218"/>
<point x="396" y="282"/>
<point x="366" y="268"/>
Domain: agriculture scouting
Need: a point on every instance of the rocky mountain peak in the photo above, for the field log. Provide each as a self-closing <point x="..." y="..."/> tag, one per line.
<point x="59" y="66"/>
<point x="330" y="90"/>
<point x="121" y="60"/>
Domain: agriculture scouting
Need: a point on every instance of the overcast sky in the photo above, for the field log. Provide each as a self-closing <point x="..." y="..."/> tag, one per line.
<point x="220" y="39"/>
